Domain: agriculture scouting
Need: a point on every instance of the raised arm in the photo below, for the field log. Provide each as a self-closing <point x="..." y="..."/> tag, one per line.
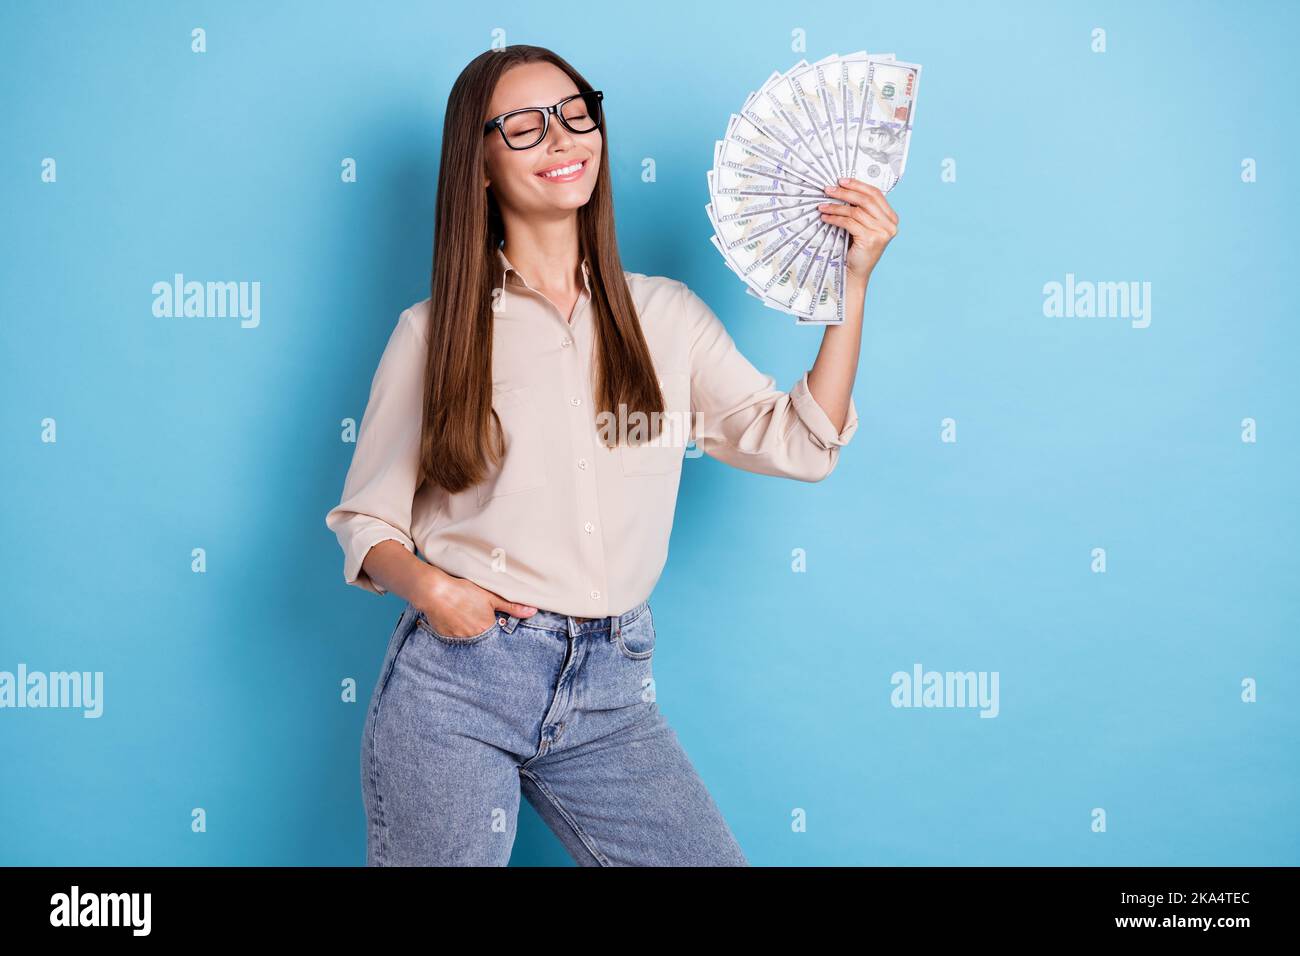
<point x="740" y="417"/>
<point x="872" y="223"/>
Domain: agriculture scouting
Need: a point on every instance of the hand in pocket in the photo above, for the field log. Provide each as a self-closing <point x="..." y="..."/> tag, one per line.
<point x="461" y="609"/>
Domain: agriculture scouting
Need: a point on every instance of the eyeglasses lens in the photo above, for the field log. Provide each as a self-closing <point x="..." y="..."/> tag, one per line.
<point x="524" y="129"/>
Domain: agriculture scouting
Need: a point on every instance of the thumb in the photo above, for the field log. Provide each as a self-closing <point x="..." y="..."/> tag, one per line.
<point x="518" y="610"/>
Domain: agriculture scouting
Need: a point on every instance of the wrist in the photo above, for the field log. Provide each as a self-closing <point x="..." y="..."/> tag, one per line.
<point x="434" y="586"/>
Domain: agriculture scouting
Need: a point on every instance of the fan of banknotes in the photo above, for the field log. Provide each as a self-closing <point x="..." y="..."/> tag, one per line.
<point x="802" y="130"/>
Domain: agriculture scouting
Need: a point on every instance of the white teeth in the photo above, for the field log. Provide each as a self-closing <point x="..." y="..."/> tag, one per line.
<point x="563" y="172"/>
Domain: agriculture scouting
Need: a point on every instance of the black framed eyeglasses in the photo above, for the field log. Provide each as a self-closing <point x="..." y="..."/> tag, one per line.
<point x="524" y="129"/>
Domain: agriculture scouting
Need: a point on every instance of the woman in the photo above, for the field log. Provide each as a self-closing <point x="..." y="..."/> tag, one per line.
<point x="506" y="438"/>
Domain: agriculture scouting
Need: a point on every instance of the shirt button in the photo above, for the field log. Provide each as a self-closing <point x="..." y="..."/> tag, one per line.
<point x="595" y="595"/>
<point x="565" y="343"/>
<point x="575" y="401"/>
<point x="588" y="527"/>
<point x="582" y="463"/>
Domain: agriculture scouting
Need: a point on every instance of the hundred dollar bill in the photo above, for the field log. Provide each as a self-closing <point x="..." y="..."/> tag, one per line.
<point x="746" y="168"/>
<point x="821" y="301"/>
<point x="772" y="261"/>
<point x="758" y="211"/>
<point x="794" y="136"/>
<point x="882" y="131"/>
<point x="808" y="285"/>
<point x="802" y="100"/>
<point x="841" y="96"/>
<point x="881" y="100"/>
<point x="834" y="78"/>
<point x="785" y="118"/>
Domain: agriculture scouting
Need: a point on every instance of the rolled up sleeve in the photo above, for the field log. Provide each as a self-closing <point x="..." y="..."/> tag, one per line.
<point x="379" y="490"/>
<point x="741" y="418"/>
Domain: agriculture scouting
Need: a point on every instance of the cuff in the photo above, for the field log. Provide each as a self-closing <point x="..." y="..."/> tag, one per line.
<point x="820" y="430"/>
<point x="360" y="547"/>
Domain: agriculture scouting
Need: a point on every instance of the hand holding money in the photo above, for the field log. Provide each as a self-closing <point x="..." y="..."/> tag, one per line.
<point x="868" y="219"/>
<point x="800" y="133"/>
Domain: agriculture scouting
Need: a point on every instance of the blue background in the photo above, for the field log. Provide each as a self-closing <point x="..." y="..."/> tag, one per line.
<point x="1119" y="690"/>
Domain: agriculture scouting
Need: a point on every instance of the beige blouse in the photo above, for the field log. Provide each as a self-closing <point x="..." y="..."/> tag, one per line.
<point x="564" y="523"/>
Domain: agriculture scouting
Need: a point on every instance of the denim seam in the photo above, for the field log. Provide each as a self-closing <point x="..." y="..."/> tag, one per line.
<point x="425" y="626"/>
<point x="378" y="822"/>
<point x="568" y="817"/>
<point x="629" y="654"/>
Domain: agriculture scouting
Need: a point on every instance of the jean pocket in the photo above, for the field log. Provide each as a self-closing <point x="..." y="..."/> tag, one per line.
<point x="422" y="622"/>
<point x="636" y="641"/>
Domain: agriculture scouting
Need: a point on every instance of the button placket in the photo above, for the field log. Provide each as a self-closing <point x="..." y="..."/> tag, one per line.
<point x="574" y="360"/>
<point x="582" y="434"/>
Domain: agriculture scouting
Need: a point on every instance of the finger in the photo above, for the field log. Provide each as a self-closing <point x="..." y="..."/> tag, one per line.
<point x="511" y="607"/>
<point x="863" y="207"/>
<point x="873" y="201"/>
<point x="865" y="195"/>
<point x="860" y="232"/>
<point x="865" y="217"/>
<point x="867" y="191"/>
<point x="854" y="228"/>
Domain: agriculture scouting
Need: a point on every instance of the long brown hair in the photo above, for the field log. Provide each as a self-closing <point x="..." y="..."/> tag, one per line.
<point x="461" y="436"/>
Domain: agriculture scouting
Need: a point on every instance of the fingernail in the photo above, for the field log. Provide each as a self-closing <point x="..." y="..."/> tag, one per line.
<point x="844" y="180"/>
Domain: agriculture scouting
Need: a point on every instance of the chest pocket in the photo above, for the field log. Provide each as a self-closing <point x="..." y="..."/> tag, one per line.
<point x="663" y="455"/>
<point x="523" y="467"/>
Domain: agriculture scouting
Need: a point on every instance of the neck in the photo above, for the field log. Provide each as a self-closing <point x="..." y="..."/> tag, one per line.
<point x="546" y="254"/>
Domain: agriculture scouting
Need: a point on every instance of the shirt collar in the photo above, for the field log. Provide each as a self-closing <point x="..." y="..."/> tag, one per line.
<point x="507" y="269"/>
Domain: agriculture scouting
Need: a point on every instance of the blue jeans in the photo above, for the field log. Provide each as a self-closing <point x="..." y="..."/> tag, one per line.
<point x="562" y="708"/>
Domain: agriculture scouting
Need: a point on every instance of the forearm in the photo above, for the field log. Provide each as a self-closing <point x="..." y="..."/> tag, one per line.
<point x="397" y="570"/>
<point x="830" y="380"/>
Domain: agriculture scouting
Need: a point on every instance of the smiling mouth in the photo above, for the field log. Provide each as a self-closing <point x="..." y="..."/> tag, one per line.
<point x="564" y="174"/>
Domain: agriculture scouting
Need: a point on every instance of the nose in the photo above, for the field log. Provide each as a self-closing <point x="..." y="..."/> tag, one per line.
<point x="558" y="135"/>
